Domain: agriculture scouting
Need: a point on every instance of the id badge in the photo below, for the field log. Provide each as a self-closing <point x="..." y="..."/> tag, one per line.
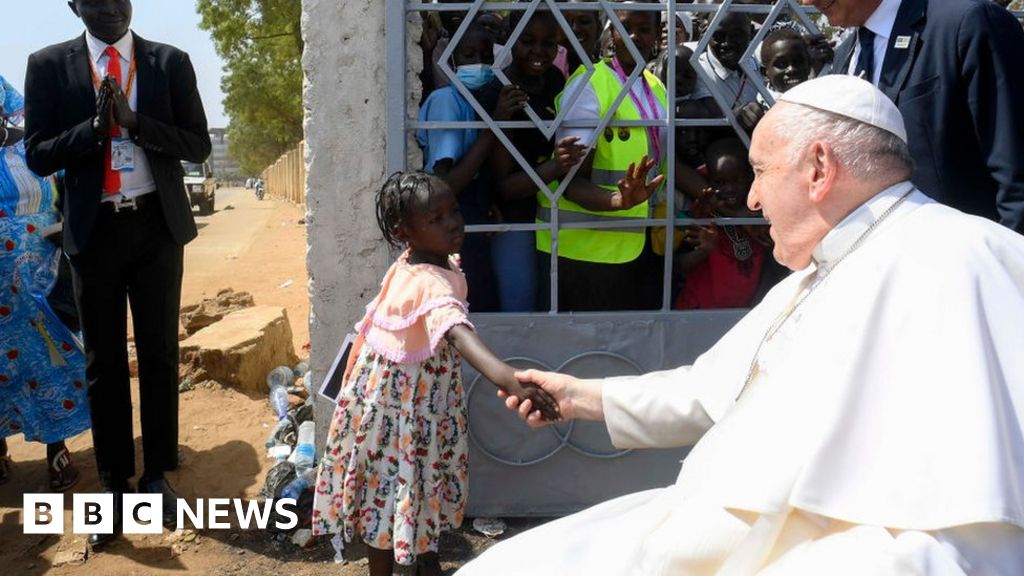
<point x="122" y="155"/>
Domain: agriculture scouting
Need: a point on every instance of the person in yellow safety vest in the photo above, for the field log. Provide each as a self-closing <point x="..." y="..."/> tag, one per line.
<point x="612" y="268"/>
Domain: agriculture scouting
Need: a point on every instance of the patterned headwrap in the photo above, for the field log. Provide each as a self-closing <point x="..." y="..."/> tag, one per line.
<point x="12" y="104"/>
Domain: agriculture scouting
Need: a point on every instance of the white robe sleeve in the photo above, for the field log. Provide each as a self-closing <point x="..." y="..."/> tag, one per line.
<point x="674" y="408"/>
<point x="656" y="410"/>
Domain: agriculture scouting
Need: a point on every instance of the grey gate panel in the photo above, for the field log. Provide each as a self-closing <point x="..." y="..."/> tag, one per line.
<point x="518" y="471"/>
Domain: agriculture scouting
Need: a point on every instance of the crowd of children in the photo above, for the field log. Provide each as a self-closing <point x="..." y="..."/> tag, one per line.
<point x="507" y="270"/>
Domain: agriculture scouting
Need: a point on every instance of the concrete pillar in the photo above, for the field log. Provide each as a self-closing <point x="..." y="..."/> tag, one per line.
<point x="345" y="117"/>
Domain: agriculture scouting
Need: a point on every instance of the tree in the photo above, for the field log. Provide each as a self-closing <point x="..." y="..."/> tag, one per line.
<point x="261" y="43"/>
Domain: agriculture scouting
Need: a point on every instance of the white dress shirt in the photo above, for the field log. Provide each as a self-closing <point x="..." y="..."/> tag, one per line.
<point x="736" y="87"/>
<point x="880" y="22"/>
<point x="140" y="180"/>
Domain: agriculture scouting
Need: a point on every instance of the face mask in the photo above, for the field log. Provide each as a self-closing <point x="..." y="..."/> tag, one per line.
<point x="474" y="76"/>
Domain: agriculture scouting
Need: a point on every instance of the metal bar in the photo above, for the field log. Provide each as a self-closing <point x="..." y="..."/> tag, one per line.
<point x="395" y="68"/>
<point x="581" y="7"/>
<point x="670" y="163"/>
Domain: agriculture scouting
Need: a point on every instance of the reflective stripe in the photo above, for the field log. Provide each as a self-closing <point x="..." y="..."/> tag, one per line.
<point x="544" y="215"/>
<point x="606" y="177"/>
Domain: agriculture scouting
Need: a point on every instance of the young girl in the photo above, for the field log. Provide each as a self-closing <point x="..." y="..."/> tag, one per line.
<point x="394" y="469"/>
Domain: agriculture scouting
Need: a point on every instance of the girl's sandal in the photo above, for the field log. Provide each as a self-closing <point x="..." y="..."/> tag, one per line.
<point x="63" y="474"/>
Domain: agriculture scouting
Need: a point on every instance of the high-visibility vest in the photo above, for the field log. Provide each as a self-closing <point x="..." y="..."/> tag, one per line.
<point x="612" y="156"/>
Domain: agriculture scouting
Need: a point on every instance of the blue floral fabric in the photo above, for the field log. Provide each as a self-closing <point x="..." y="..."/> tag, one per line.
<point x="42" y="365"/>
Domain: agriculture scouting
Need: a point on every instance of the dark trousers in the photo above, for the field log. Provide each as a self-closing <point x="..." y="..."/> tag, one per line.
<point x="593" y="286"/>
<point x="131" y="258"/>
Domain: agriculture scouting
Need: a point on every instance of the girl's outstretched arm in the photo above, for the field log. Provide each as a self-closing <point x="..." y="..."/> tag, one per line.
<point x="473" y="349"/>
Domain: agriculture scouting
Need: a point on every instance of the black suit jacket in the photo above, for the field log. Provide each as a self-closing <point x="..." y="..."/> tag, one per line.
<point x="60" y="104"/>
<point x="960" y="86"/>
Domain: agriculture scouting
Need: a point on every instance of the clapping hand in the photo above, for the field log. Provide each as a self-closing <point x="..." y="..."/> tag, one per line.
<point x="634" y="188"/>
<point x="103" y="110"/>
<point x="704" y="239"/>
<point x="120" y="109"/>
<point x="569" y="152"/>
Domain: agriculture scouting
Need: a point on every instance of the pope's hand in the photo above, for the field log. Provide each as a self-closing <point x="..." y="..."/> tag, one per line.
<point x="558" y="386"/>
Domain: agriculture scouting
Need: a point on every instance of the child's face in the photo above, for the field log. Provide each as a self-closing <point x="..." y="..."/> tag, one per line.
<point x="643" y="31"/>
<point x="731" y="39"/>
<point x="537" y="47"/>
<point x="587" y="28"/>
<point x="434" y="226"/>
<point x="475" y="48"/>
<point x="451" y="20"/>
<point x="788" y="64"/>
<point x="686" y="76"/>
<point x="732" y="177"/>
<point x="494" y="24"/>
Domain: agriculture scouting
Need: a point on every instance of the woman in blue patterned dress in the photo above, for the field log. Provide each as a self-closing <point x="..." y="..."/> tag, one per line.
<point x="42" y="366"/>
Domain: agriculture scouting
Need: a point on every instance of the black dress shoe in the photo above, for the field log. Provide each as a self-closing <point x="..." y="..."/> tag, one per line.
<point x="97" y="540"/>
<point x="170" y="498"/>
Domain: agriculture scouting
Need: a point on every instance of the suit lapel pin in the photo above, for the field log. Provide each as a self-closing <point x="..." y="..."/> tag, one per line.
<point x="902" y="42"/>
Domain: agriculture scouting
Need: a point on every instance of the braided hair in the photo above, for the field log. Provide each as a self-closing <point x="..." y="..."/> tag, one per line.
<point x="397" y="197"/>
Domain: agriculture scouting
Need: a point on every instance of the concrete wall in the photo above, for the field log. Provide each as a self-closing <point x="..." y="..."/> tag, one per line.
<point x="345" y="117"/>
<point x="344" y="125"/>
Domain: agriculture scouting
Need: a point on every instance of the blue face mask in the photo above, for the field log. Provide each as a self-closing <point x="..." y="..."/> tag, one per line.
<point x="474" y="76"/>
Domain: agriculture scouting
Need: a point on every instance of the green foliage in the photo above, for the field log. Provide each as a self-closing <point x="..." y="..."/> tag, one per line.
<point x="261" y="43"/>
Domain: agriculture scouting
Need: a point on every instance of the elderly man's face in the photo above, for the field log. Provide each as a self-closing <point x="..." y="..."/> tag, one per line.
<point x="845" y="12"/>
<point x="781" y="192"/>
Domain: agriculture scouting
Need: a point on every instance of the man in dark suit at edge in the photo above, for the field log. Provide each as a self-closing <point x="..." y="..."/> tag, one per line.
<point x="118" y="113"/>
<point x="953" y="69"/>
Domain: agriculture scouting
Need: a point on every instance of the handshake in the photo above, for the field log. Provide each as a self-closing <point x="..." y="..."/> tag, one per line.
<point x="546" y="397"/>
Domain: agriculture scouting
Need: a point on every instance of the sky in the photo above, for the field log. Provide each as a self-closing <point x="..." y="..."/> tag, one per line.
<point x="33" y="24"/>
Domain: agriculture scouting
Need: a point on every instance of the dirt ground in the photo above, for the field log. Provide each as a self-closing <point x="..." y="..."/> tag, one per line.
<point x="247" y="245"/>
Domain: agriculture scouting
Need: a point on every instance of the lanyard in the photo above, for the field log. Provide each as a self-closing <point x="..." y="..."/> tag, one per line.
<point x="652" y="131"/>
<point x="739" y="93"/>
<point x="131" y="75"/>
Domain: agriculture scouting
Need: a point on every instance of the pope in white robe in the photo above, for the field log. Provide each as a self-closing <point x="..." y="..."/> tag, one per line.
<point x="866" y="418"/>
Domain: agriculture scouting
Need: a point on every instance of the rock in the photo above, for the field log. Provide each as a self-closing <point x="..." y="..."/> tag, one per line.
<point x="242" y="348"/>
<point x="73" y="553"/>
<point x="490" y="527"/>
<point x="295" y="400"/>
<point x="195" y="317"/>
<point x="302" y="537"/>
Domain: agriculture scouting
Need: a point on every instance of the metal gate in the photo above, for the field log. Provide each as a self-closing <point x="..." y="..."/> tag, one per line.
<point x="516" y="471"/>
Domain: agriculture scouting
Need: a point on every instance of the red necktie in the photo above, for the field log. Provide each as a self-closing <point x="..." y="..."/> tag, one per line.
<point x="112" y="178"/>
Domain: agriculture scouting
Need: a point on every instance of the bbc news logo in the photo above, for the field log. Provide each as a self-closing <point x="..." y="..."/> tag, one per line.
<point x="143" y="513"/>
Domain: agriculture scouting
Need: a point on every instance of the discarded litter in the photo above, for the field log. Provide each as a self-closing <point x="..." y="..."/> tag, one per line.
<point x="286" y="284"/>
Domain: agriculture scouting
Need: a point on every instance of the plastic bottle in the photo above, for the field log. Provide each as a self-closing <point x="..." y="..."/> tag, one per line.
<point x="279" y="401"/>
<point x="305" y="453"/>
<point x="301" y="368"/>
<point x="281" y="376"/>
<point x="296" y="488"/>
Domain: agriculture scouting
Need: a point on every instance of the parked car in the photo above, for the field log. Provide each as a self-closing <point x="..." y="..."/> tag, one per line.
<point x="201" y="185"/>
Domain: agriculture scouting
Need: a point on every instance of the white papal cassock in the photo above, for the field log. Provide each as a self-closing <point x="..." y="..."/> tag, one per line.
<point x="882" y="434"/>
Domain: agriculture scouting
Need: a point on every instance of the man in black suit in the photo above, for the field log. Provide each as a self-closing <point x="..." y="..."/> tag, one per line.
<point x="953" y="67"/>
<point x="118" y="114"/>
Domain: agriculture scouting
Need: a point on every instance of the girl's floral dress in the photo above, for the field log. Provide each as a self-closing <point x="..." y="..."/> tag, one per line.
<point x="394" y="469"/>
